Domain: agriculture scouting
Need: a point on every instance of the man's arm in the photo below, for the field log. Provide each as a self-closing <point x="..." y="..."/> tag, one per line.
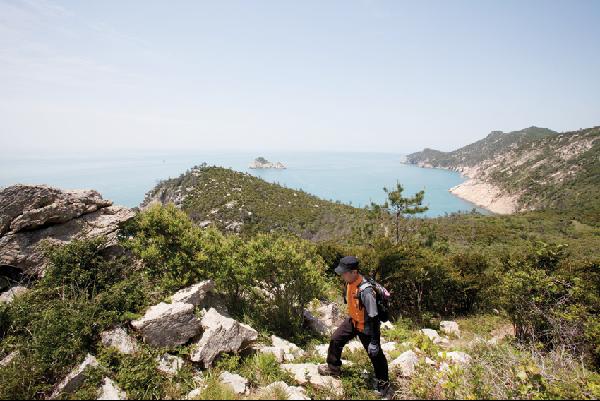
<point x="372" y="323"/>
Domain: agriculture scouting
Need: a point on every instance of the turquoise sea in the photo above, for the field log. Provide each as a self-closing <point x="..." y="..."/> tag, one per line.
<point x="124" y="177"/>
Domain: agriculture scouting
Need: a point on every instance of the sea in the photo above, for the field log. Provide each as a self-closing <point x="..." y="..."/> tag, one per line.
<point x="349" y="177"/>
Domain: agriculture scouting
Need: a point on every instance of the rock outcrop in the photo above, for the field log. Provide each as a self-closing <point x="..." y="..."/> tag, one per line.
<point x="450" y="328"/>
<point x="195" y="294"/>
<point x="30" y="214"/>
<point x="221" y="334"/>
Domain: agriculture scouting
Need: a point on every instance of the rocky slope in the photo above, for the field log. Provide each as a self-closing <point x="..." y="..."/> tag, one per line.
<point x="534" y="168"/>
<point x="32" y="215"/>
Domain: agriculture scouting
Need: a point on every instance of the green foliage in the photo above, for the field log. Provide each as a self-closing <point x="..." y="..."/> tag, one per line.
<point x="58" y="321"/>
<point x="263" y="369"/>
<point x="288" y="274"/>
<point x="170" y="245"/>
<point x="552" y="302"/>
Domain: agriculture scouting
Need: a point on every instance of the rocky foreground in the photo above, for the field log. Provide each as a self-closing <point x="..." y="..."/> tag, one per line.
<point x="189" y="319"/>
<point x="31" y="215"/>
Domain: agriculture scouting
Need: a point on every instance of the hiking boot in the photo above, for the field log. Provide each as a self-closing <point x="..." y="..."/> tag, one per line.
<point x="383" y="388"/>
<point x="330" y="370"/>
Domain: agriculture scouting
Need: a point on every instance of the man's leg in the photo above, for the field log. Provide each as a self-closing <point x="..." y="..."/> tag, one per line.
<point x="379" y="362"/>
<point x="339" y="339"/>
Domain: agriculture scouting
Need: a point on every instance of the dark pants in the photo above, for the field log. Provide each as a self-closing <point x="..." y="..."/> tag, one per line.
<point x="342" y="336"/>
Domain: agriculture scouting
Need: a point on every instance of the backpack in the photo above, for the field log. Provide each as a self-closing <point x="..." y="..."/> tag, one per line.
<point x="382" y="297"/>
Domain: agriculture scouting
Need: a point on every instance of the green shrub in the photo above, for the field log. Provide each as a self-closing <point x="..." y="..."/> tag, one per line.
<point x="288" y="274"/>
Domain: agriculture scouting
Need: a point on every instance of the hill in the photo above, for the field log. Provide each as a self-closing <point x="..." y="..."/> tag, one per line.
<point x="532" y="169"/>
<point x="243" y="203"/>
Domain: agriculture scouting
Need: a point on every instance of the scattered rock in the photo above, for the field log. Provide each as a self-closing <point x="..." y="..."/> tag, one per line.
<point x="169" y="364"/>
<point x="406" y="363"/>
<point x="12" y="293"/>
<point x="387" y="326"/>
<point x="458" y="358"/>
<point x="9" y="358"/>
<point x="221" y="334"/>
<point x="110" y="391"/>
<point x="389" y="346"/>
<point x="237" y="382"/>
<point x="168" y="325"/>
<point x="278" y="353"/>
<point x="290" y="351"/>
<point x="75" y="379"/>
<point x="354" y="346"/>
<point x="30" y="214"/>
<point x="435" y="337"/>
<point x="308" y="373"/>
<point x="119" y="339"/>
<point x="293" y="392"/>
<point x="450" y="328"/>
<point x="195" y="294"/>
<point x="325" y="320"/>
<point x="322" y="350"/>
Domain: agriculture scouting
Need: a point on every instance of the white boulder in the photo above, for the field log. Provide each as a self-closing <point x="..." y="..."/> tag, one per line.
<point x="221" y="334"/>
<point x="168" y="325"/>
<point x="406" y="363"/>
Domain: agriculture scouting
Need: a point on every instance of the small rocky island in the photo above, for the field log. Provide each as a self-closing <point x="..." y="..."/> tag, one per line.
<point x="261" y="162"/>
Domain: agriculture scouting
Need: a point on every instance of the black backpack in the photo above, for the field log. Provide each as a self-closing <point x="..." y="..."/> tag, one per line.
<point x="381" y="294"/>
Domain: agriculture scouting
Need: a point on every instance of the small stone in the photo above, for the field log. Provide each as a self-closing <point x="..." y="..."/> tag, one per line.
<point x="293" y="392"/>
<point x="9" y="296"/>
<point x="195" y="294"/>
<point x="119" y="339"/>
<point x="450" y="328"/>
<point x="110" y="391"/>
<point x="169" y="364"/>
<point x="237" y="382"/>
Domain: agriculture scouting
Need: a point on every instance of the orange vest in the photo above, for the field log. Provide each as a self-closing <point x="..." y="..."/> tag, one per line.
<point x="356" y="312"/>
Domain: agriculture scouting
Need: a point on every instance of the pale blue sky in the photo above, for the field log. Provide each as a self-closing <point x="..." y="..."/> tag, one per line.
<point x="279" y="75"/>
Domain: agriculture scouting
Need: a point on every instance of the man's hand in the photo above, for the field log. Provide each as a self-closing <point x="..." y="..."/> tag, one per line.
<point x="373" y="350"/>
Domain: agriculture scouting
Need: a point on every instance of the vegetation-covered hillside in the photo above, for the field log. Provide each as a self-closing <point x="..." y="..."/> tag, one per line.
<point x="243" y="203"/>
<point x="544" y="169"/>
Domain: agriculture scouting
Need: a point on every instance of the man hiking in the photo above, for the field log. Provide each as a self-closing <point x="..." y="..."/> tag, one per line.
<point x="364" y="322"/>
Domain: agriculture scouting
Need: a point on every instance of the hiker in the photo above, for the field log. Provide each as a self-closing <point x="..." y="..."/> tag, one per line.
<point x="364" y="322"/>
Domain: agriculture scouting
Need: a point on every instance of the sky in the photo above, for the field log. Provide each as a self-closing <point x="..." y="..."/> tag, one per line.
<point x="363" y="75"/>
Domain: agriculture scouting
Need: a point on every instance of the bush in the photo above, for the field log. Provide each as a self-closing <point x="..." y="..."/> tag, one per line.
<point x="288" y="274"/>
<point x="553" y="301"/>
<point x="171" y="246"/>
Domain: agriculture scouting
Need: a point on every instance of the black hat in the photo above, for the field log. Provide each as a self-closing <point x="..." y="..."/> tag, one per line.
<point x="347" y="263"/>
